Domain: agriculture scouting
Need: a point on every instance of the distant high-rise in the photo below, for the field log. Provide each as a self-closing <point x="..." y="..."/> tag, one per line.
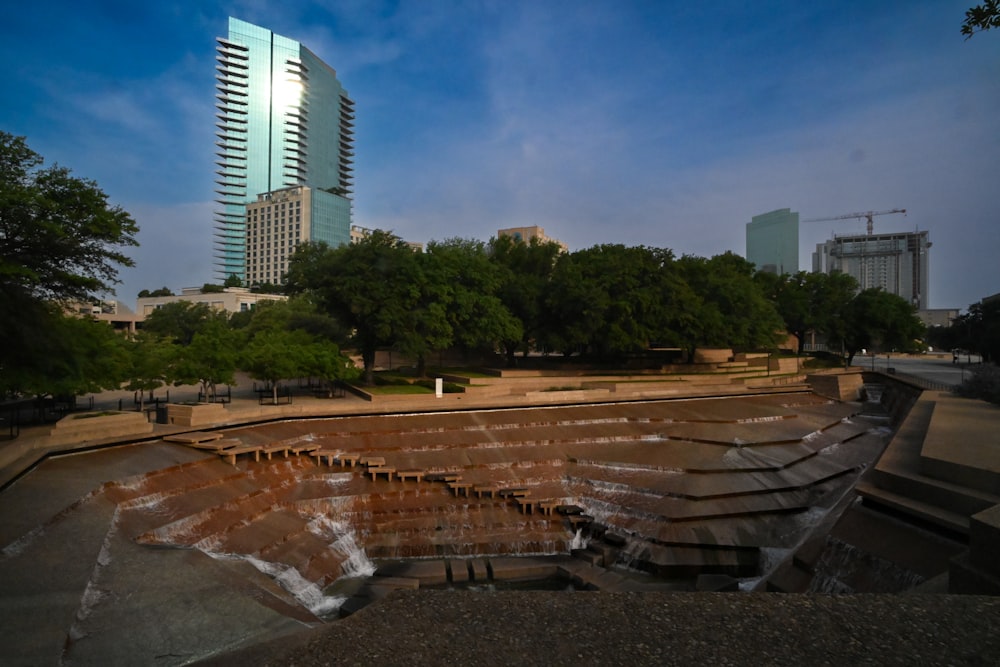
<point x="773" y="241"/>
<point x="284" y="120"/>
<point x="897" y="263"/>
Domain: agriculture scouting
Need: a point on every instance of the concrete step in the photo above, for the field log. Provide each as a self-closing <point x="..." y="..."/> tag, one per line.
<point x="946" y="495"/>
<point x="920" y="510"/>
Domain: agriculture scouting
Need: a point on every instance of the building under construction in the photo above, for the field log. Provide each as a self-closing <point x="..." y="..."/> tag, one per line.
<point x="898" y="263"/>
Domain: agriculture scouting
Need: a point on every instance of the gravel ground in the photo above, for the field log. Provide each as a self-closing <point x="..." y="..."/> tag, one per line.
<point x="553" y="629"/>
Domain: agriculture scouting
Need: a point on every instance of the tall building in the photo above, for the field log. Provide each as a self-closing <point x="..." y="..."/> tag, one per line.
<point x="526" y="234"/>
<point x="773" y="241"/>
<point x="898" y="263"/>
<point x="284" y="121"/>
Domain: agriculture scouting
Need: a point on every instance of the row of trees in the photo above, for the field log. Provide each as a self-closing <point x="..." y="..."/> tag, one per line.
<point x="976" y="331"/>
<point x="184" y="343"/>
<point x="605" y="302"/>
<point x="60" y="240"/>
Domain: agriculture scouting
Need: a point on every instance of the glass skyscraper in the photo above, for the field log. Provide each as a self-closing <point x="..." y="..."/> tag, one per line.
<point x="284" y="120"/>
<point x="773" y="241"/>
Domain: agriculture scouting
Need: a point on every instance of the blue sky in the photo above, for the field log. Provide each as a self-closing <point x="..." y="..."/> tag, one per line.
<point x="666" y="124"/>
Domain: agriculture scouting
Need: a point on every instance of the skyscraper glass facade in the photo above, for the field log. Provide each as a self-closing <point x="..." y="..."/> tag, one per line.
<point x="773" y="241"/>
<point x="283" y="120"/>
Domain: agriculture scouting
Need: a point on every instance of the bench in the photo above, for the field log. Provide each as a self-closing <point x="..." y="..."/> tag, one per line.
<point x="303" y="449"/>
<point x="442" y="477"/>
<point x="483" y="490"/>
<point x="375" y="471"/>
<point x="233" y="452"/>
<point x="372" y="460"/>
<point x="460" y="488"/>
<point x="273" y="448"/>
<point x="347" y="459"/>
<point x="514" y="493"/>
<point x="404" y="475"/>
<point x="548" y="506"/>
<point x="526" y="505"/>
<point x="329" y="454"/>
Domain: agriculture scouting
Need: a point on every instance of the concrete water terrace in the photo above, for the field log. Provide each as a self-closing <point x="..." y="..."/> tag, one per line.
<point x="191" y="543"/>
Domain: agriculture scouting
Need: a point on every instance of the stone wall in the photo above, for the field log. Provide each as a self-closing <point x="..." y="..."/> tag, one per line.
<point x="841" y="386"/>
<point x="201" y="414"/>
<point x="87" y="426"/>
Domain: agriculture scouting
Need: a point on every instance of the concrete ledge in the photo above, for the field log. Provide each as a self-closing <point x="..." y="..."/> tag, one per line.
<point x="966" y="578"/>
<point x="924" y="511"/>
<point x="513" y="569"/>
<point x="984" y="540"/>
<point x="201" y="414"/>
<point x="962" y="444"/>
<point x="99" y="425"/>
<point x="844" y="386"/>
<point x="568" y="395"/>
<point x="705" y="355"/>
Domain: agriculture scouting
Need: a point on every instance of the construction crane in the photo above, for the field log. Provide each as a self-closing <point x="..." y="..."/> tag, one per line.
<point x="858" y="216"/>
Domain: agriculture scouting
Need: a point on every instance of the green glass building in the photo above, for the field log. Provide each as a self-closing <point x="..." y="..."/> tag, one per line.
<point x="283" y="120"/>
<point x="773" y="241"/>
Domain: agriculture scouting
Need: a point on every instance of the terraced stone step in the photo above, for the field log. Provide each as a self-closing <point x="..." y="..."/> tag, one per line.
<point x="938" y="516"/>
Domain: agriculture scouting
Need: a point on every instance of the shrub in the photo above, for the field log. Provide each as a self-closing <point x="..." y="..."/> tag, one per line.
<point x="390" y="380"/>
<point x="983" y="382"/>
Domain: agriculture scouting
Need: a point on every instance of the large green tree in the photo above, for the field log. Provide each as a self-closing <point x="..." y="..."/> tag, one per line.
<point x="524" y="272"/>
<point x="734" y="310"/>
<point x="878" y="320"/>
<point x="289" y="339"/>
<point x="370" y="287"/>
<point x="180" y="320"/>
<point x="210" y="359"/>
<point x="148" y="362"/>
<point x="468" y="283"/>
<point x="67" y="357"/>
<point x="610" y="300"/>
<point x="60" y="240"/>
<point x="809" y="302"/>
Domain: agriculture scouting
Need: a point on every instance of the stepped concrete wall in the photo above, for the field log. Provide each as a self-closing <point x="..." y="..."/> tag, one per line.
<point x="98" y="426"/>
<point x="842" y="386"/>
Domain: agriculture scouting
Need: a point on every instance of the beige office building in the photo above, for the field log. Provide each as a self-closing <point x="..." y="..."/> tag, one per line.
<point x="276" y="224"/>
<point x="231" y="299"/>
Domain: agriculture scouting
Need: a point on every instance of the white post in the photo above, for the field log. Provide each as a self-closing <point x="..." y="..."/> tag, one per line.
<point x="439" y="387"/>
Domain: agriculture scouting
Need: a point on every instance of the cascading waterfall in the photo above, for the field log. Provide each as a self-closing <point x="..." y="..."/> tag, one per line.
<point x="306" y="592"/>
<point x="344" y="542"/>
<point x="579" y="541"/>
<point x="842" y="567"/>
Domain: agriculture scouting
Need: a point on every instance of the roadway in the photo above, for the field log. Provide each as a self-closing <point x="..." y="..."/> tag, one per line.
<point x="938" y="369"/>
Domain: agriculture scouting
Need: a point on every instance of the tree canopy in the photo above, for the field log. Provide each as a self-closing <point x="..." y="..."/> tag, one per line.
<point x="59" y="236"/>
<point x="982" y="17"/>
<point x="60" y="241"/>
<point x="875" y="317"/>
<point x="370" y="287"/>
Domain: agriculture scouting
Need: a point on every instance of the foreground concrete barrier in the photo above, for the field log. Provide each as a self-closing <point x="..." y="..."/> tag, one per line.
<point x="88" y="426"/>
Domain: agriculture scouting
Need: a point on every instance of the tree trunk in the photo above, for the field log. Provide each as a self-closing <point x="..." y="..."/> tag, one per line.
<point x="368" y="357"/>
